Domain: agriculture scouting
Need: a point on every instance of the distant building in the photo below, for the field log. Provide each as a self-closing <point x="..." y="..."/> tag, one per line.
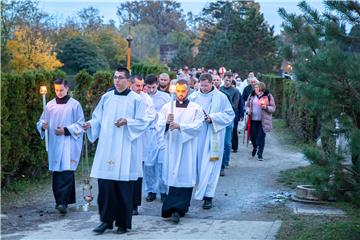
<point x="167" y="53"/>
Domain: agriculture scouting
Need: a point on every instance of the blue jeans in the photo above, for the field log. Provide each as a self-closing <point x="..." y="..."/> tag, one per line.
<point x="227" y="145"/>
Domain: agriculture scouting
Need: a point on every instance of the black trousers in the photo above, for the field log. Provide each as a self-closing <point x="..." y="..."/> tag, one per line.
<point x="257" y="136"/>
<point x="177" y="200"/>
<point x="137" y="193"/>
<point x="63" y="185"/>
<point x="115" y="202"/>
<point x="235" y="138"/>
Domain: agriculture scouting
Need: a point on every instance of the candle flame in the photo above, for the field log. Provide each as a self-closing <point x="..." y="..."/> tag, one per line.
<point x="43" y="90"/>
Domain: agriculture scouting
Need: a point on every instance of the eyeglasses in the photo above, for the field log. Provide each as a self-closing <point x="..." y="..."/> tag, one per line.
<point x="119" y="78"/>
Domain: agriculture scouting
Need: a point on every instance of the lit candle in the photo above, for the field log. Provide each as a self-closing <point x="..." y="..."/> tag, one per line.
<point x="263" y="101"/>
<point x="43" y="91"/>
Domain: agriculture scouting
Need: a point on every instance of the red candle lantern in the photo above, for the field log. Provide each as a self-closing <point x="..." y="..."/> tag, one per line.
<point x="263" y="101"/>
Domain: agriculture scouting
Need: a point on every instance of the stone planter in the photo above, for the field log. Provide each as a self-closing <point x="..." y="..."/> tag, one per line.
<point x="307" y="194"/>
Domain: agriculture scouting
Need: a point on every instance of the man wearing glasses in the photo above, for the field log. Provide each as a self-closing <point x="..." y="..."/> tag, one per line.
<point x="117" y="121"/>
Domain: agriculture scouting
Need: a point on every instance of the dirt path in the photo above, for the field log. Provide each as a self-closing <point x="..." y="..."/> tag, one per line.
<point x="247" y="192"/>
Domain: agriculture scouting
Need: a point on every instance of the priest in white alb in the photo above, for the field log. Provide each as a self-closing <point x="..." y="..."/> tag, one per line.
<point x="153" y="163"/>
<point x="63" y="118"/>
<point x="117" y="121"/>
<point x="141" y="146"/>
<point x="218" y="115"/>
<point x="181" y="129"/>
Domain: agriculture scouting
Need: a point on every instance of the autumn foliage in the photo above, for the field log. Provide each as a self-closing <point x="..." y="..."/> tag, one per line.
<point x="30" y="50"/>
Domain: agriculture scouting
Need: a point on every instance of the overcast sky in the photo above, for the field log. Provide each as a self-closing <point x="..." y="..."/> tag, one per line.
<point x="64" y="8"/>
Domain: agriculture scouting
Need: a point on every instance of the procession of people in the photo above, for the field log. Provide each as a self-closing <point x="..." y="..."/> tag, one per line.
<point x="175" y="138"/>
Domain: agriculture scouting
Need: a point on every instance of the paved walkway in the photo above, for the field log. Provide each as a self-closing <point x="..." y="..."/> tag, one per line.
<point x="244" y="207"/>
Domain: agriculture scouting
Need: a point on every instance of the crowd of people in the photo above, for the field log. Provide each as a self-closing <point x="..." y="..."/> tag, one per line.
<point x="175" y="136"/>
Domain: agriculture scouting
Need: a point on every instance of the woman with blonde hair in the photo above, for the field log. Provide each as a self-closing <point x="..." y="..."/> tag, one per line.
<point x="260" y="105"/>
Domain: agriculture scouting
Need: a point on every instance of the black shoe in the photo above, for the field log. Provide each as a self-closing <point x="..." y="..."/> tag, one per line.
<point x="207" y="204"/>
<point x="253" y="152"/>
<point x="162" y="197"/>
<point x="234" y="150"/>
<point x="135" y="211"/>
<point x="222" y="173"/>
<point x="150" y="197"/>
<point x="121" y="230"/>
<point x="61" y="208"/>
<point x="175" y="218"/>
<point x="260" y="158"/>
<point x="102" y="227"/>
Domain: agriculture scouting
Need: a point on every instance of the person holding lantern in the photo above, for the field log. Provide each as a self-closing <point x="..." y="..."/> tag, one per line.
<point x="62" y="120"/>
<point x="260" y="106"/>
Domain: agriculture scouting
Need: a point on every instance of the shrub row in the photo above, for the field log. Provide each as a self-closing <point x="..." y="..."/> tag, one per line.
<point x="290" y="107"/>
<point x="23" y="153"/>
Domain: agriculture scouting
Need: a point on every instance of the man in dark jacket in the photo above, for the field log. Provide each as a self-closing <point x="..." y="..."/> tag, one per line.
<point x="234" y="98"/>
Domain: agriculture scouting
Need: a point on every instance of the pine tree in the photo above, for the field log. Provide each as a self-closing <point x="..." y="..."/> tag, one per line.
<point x="324" y="49"/>
<point x="237" y="37"/>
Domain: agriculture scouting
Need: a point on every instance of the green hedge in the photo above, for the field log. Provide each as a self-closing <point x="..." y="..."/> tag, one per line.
<point x="23" y="153"/>
<point x="290" y="106"/>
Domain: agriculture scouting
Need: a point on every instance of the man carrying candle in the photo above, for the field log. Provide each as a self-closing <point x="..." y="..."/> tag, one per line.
<point x="181" y="122"/>
<point x="260" y="107"/>
<point x="63" y="118"/>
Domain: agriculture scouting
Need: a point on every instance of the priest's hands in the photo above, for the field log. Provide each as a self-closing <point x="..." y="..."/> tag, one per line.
<point x="170" y="118"/>
<point x="86" y="126"/>
<point x="173" y="126"/>
<point x="44" y="125"/>
<point x="59" y="131"/>
<point x="208" y="119"/>
<point x="120" y="122"/>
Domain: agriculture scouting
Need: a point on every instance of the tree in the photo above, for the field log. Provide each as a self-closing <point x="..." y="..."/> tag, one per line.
<point x="30" y="50"/>
<point x="15" y="14"/>
<point x="327" y="71"/>
<point x="79" y="53"/>
<point x="111" y="44"/>
<point x="235" y="35"/>
<point x="165" y="16"/>
<point x="145" y="44"/>
<point x="90" y="19"/>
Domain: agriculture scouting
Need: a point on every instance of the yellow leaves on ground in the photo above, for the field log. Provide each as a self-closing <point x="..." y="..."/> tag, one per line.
<point x="30" y="50"/>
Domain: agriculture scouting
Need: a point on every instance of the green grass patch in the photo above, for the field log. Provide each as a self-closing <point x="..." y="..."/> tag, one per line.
<point x="29" y="186"/>
<point x="320" y="228"/>
<point x="286" y="135"/>
<point x="312" y="175"/>
<point x="24" y="187"/>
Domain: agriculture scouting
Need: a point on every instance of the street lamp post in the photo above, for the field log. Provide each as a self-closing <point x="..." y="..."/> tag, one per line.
<point x="129" y="39"/>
